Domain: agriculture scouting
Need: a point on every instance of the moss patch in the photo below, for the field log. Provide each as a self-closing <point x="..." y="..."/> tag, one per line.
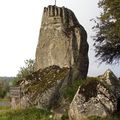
<point x="70" y="91"/>
<point x="42" y="80"/>
<point x="89" y="89"/>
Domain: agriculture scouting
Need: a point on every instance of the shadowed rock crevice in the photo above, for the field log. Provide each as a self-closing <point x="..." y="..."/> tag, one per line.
<point x="89" y="90"/>
<point x="118" y="104"/>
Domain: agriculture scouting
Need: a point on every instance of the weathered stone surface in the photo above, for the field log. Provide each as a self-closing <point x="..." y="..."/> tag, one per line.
<point x="96" y="98"/>
<point x="41" y="88"/>
<point x="61" y="57"/>
<point x="62" y="42"/>
<point x="112" y="81"/>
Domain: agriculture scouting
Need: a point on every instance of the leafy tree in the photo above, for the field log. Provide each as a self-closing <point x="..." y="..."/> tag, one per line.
<point x="24" y="71"/>
<point x="107" y="39"/>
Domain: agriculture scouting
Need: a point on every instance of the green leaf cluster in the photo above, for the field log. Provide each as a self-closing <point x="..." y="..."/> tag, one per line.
<point x="24" y="71"/>
<point x="107" y="38"/>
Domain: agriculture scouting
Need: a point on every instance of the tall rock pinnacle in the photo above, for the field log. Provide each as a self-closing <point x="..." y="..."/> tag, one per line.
<point x="62" y="41"/>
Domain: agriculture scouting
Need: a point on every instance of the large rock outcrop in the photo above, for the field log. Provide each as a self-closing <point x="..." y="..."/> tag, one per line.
<point x="62" y="42"/>
<point x="96" y="98"/>
<point x="42" y="88"/>
<point x="61" y="58"/>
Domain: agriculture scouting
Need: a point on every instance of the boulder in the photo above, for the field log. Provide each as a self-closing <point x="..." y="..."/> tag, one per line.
<point x="96" y="98"/>
<point x="42" y="88"/>
<point x="62" y="42"/>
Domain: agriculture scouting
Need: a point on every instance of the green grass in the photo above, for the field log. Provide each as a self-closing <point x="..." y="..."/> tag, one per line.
<point x="27" y="114"/>
<point x="4" y="108"/>
<point x="4" y="100"/>
<point x="38" y="114"/>
<point x="70" y="91"/>
<point x="112" y="117"/>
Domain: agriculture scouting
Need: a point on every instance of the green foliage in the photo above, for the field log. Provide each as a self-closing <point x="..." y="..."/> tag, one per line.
<point x="38" y="114"/>
<point x="94" y="118"/>
<point x="70" y="91"/>
<point x="24" y="71"/>
<point x="27" y="114"/>
<point x="107" y="39"/>
<point x="27" y="69"/>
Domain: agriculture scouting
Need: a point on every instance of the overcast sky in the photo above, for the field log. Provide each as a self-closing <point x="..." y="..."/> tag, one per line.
<point x="19" y="28"/>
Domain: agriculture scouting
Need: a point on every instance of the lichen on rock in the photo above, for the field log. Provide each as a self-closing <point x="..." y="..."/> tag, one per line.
<point x="98" y="97"/>
<point x="43" y="85"/>
<point x="46" y="78"/>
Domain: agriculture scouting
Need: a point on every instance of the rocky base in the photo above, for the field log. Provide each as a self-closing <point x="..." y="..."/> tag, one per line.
<point x="98" y="97"/>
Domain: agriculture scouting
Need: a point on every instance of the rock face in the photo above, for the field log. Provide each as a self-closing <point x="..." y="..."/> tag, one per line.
<point x="62" y="41"/>
<point x="41" y="88"/>
<point x="96" y="98"/>
<point x="61" y="57"/>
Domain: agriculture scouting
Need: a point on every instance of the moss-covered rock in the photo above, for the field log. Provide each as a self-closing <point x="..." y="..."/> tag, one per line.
<point x="96" y="97"/>
<point x="41" y="88"/>
<point x="44" y="79"/>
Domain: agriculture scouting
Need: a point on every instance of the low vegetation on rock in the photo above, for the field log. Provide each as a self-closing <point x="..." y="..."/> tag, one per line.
<point x="44" y="79"/>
